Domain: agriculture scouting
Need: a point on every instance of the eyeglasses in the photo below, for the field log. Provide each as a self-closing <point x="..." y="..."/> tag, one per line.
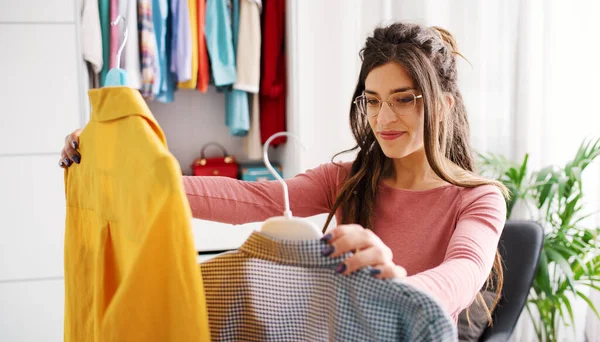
<point x="400" y="103"/>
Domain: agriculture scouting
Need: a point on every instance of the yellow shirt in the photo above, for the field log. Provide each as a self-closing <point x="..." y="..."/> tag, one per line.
<point x="193" y="9"/>
<point x="130" y="265"/>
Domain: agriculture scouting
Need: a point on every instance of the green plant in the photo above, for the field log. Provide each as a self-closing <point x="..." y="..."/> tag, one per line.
<point x="570" y="259"/>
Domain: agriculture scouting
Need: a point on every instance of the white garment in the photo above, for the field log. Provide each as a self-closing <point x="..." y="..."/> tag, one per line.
<point x="248" y="48"/>
<point x="91" y="35"/>
<point x="252" y="140"/>
<point x="131" y="52"/>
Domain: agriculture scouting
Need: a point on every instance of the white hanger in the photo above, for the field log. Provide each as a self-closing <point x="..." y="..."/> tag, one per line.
<point x="287" y="227"/>
<point x="117" y="77"/>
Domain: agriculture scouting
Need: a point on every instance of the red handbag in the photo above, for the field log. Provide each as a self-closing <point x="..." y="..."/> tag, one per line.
<point x="224" y="166"/>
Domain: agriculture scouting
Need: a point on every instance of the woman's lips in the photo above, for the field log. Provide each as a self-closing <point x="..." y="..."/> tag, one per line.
<point x="391" y="135"/>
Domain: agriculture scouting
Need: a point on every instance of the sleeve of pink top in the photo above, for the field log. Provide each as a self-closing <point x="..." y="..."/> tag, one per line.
<point x="470" y="255"/>
<point x="233" y="201"/>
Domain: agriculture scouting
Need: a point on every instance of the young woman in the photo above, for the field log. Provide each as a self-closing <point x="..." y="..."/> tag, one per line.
<point x="410" y="205"/>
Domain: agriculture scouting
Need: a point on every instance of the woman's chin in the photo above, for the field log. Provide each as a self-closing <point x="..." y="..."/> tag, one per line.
<point x="395" y="154"/>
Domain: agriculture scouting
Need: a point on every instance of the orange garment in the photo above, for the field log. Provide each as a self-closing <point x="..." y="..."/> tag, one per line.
<point x="191" y="84"/>
<point x="203" y="72"/>
<point x="130" y="265"/>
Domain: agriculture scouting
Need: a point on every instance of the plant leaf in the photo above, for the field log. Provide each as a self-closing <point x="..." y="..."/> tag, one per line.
<point x="592" y="285"/>
<point x="567" y="304"/>
<point x="546" y="179"/>
<point x="543" y="276"/>
<point x="587" y="300"/>
<point x="534" y="322"/>
<point x="522" y="170"/>
<point x="564" y="266"/>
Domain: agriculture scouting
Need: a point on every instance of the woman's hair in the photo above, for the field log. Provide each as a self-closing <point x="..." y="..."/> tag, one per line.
<point x="429" y="56"/>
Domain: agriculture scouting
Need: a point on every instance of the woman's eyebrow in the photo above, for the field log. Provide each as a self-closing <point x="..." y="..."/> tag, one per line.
<point x="398" y="90"/>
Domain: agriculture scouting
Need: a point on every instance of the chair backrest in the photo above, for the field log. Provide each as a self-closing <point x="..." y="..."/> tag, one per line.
<point x="520" y="246"/>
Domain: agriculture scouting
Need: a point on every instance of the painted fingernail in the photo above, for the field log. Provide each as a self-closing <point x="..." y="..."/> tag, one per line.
<point x="327" y="250"/>
<point x="341" y="268"/>
<point x="74" y="144"/>
<point x="61" y="163"/>
<point x="327" y="237"/>
<point x="76" y="158"/>
<point x="375" y="271"/>
<point x="67" y="161"/>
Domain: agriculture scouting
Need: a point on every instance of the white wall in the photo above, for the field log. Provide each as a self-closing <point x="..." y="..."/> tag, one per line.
<point x="40" y="101"/>
<point x="191" y="121"/>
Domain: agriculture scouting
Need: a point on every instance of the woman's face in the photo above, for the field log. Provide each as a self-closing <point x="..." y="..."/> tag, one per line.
<point x="399" y="131"/>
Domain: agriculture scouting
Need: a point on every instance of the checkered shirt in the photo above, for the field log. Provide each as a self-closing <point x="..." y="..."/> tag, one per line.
<point x="274" y="290"/>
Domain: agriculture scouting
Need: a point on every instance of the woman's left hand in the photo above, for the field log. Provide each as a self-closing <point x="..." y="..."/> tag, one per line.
<point x="368" y="250"/>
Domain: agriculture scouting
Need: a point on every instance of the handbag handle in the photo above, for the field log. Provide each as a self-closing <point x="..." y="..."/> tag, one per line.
<point x="225" y="154"/>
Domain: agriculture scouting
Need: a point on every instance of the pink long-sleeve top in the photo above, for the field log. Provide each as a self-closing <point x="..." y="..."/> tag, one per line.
<point x="446" y="237"/>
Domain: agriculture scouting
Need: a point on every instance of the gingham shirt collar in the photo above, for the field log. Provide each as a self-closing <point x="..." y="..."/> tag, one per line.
<point x="305" y="253"/>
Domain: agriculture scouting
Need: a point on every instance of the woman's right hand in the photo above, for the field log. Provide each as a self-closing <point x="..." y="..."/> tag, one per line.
<point x="69" y="154"/>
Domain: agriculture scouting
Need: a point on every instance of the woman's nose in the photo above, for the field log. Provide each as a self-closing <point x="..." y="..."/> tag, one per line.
<point x="386" y="115"/>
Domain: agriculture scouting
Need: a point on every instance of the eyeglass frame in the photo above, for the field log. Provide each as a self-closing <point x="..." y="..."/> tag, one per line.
<point x="355" y="102"/>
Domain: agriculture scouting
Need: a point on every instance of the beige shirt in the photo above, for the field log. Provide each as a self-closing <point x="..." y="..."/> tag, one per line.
<point x="248" y="48"/>
<point x="131" y="53"/>
<point x="91" y="36"/>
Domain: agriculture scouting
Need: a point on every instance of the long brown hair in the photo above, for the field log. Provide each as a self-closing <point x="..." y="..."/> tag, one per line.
<point x="429" y="56"/>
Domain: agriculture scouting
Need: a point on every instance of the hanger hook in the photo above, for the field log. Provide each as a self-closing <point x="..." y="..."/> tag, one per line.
<point x="286" y="198"/>
<point x="115" y="23"/>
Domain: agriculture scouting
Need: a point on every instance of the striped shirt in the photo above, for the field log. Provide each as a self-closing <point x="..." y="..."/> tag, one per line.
<point x="273" y="290"/>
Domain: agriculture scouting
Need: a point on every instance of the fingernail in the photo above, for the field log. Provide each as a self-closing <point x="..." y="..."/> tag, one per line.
<point x="61" y="163"/>
<point x="67" y="161"/>
<point x="375" y="271"/>
<point x="76" y="159"/>
<point x="341" y="268"/>
<point x="74" y="144"/>
<point x="326" y="237"/>
<point x="327" y="250"/>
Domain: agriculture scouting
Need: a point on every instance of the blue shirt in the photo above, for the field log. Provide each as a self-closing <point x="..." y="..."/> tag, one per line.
<point x="219" y="42"/>
<point x="237" y="108"/>
<point x="164" y="87"/>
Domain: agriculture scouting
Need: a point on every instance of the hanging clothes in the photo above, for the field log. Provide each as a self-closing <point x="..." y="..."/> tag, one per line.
<point x="252" y="143"/>
<point x="237" y="113"/>
<point x="115" y="35"/>
<point x="159" y="21"/>
<point x="130" y="265"/>
<point x="203" y="63"/>
<point x="273" y="76"/>
<point x="248" y="70"/>
<point x="193" y="19"/>
<point x="167" y="94"/>
<point x="181" y="48"/>
<point x="104" y="10"/>
<point x="149" y="51"/>
<point x="274" y="290"/>
<point x="91" y="40"/>
<point x="248" y="46"/>
<point x="237" y="116"/>
<point x="219" y="41"/>
<point x="164" y="87"/>
<point x="131" y="59"/>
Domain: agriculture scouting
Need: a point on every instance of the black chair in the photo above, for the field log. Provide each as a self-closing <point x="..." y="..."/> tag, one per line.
<point x="520" y="246"/>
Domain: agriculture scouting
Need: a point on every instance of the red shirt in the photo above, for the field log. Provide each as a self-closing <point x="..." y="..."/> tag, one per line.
<point x="273" y="72"/>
